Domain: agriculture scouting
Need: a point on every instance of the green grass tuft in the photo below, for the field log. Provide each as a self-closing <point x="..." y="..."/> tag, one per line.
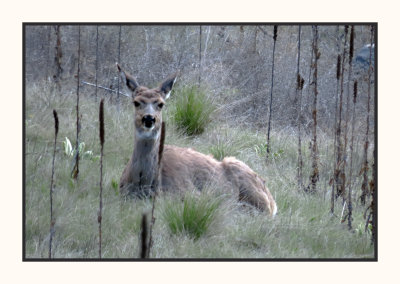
<point x="192" y="110"/>
<point x="220" y="150"/>
<point x="194" y="216"/>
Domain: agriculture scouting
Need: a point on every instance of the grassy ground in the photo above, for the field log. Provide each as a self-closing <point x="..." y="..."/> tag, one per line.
<point x="303" y="227"/>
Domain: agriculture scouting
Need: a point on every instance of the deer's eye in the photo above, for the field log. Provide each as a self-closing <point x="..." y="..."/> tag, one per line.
<point x="160" y="105"/>
<point x="136" y="103"/>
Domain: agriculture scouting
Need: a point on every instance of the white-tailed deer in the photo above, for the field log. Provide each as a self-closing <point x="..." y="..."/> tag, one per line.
<point x="180" y="168"/>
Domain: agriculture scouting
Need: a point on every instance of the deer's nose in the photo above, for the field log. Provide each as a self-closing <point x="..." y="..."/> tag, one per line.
<point x="148" y="121"/>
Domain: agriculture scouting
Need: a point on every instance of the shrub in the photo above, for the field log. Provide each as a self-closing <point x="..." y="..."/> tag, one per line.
<point x="192" y="110"/>
<point x="193" y="217"/>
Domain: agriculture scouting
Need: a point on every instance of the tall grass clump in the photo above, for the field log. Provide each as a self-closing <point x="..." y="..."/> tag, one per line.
<point x="223" y="146"/>
<point x="221" y="150"/>
<point x="193" y="217"/>
<point x="192" y="110"/>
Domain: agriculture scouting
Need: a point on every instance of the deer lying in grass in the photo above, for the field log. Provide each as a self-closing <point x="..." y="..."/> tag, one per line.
<point x="181" y="168"/>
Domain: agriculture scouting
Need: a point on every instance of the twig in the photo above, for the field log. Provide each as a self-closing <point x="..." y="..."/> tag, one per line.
<point x="264" y="31"/>
<point x="105" y="88"/>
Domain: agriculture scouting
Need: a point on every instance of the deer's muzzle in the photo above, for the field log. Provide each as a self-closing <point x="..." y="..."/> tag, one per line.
<point x="148" y="121"/>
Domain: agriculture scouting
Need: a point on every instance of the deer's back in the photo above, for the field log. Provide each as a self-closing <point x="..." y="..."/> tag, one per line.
<point x="185" y="168"/>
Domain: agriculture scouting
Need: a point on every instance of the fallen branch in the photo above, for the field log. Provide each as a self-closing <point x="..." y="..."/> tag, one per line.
<point x="105" y="88"/>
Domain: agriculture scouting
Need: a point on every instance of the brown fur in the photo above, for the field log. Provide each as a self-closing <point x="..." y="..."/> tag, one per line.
<point x="182" y="168"/>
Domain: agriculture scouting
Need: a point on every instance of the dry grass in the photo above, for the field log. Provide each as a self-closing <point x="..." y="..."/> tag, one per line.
<point x="303" y="227"/>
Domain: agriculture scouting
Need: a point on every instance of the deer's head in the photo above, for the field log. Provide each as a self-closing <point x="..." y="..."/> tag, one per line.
<point x="148" y="104"/>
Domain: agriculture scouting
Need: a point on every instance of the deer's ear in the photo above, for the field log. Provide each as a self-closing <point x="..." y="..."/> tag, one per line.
<point x="166" y="86"/>
<point x="129" y="80"/>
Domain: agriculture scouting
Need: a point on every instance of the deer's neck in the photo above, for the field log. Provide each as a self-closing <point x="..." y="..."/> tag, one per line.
<point x="144" y="167"/>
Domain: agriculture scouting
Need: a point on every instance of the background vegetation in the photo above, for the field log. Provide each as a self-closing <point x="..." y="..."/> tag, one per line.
<point x="230" y="67"/>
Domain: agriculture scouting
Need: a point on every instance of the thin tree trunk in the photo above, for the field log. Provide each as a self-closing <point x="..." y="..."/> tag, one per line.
<point x="365" y="167"/>
<point x="119" y="60"/>
<point x="97" y="60"/>
<point x="272" y="89"/>
<point x="200" y="35"/>
<point x="206" y="43"/>
<point x="58" y="58"/>
<point x="347" y="119"/>
<point x="349" y="198"/>
<point x="75" y="170"/>
<point x="335" y="150"/>
<point x="373" y="192"/>
<point x="314" y="177"/>
<point x="339" y="160"/>
<point x="300" y="84"/>
<point x="48" y="70"/>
